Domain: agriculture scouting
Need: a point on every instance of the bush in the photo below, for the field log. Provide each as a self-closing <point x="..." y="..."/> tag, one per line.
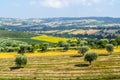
<point x="21" y="61"/>
<point x="90" y="57"/>
<point x="83" y="49"/>
<point x="110" y="48"/>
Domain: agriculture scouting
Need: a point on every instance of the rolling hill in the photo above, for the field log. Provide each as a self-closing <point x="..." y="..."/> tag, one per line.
<point x="83" y="27"/>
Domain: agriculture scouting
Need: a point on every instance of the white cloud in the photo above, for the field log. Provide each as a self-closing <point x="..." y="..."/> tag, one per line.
<point x="55" y="3"/>
<point x="66" y="3"/>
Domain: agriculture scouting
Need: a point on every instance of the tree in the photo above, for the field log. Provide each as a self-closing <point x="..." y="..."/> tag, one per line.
<point x="83" y="49"/>
<point x="21" y="60"/>
<point x="90" y="57"/>
<point x="114" y="42"/>
<point x="118" y="39"/>
<point x="22" y="50"/>
<point x="102" y="43"/>
<point x="66" y="46"/>
<point x="44" y="48"/>
<point x="110" y="48"/>
<point x="60" y="43"/>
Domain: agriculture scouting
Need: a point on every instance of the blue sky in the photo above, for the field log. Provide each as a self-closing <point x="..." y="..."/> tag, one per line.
<point x="59" y="8"/>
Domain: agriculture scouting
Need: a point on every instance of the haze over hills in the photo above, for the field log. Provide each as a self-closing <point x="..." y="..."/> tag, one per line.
<point x="67" y="25"/>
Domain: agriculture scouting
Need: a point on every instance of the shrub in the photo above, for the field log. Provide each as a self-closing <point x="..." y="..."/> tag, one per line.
<point x="110" y="48"/>
<point x="90" y="57"/>
<point x="21" y="60"/>
<point x="83" y="49"/>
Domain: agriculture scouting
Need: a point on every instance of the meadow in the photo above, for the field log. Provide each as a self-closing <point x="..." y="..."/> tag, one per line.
<point x="56" y="64"/>
<point x="61" y="65"/>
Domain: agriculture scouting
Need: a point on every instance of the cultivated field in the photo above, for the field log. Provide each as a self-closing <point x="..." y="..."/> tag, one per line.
<point x="61" y="65"/>
<point x="51" y="39"/>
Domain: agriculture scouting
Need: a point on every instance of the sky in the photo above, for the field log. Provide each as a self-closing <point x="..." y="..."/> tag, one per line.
<point x="59" y="8"/>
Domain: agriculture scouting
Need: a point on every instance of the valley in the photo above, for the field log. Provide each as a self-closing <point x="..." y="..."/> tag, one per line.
<point x="55" y="48"/>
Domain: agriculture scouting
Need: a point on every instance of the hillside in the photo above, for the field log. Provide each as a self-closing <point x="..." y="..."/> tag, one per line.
<point x="83" y="27"/>
<point x="19" y="36"/>
<point x="15" y="34"/>
<point x="62" y="23"/>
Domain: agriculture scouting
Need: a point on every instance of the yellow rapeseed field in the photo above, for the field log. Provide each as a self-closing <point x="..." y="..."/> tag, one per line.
<point x="56" y="53"/>
<point x="50" y="53"/>
<point x="52" y="39"/>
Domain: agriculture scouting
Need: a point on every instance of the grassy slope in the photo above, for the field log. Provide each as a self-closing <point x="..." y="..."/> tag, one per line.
<point x="14" y="34"/>
<point x="66" y="66"/>
<point x="21" y="36"/>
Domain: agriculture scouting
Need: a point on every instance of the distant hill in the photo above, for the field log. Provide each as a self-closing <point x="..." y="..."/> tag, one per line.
<point x="62" y="23"/>
<point x="82" y="27"/>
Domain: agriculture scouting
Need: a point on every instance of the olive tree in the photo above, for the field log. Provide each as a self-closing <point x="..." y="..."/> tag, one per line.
<point x="22" y="50"/>
<point x="66" y="46"/>
<point x="110" y="48"/>
<point x="83" y="49"/>
<point x="90" y="57"/>
<point x="102" y="43"/>
<point x="21" y="60"/>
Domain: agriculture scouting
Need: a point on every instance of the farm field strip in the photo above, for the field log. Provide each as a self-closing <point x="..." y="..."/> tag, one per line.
<point x="56" y="53"/>
<point x="52" y="39"/>
<point x="62" y="67"/>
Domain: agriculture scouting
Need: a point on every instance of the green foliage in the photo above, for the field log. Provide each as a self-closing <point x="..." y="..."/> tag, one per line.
<point x="90" y="57"/>
<point x="118" y="39"/>
<point x="44" y="48"/>
<point x="21" y="60"/>
<point x="11" y="49"/>
<point x="83" y="49"/>
<point x="15" y="34"/>
<point x="2" y="49"/>
<point x="66" y="46"/>
<point x="60" y="43"/>
<point x="114" y="42"/>
<point x="110" y="48"/>
<point x="22" y="49"/>
<point x="102" y="43"/>
<point x="30" y="49"/>
<point x="25" y="48"/>
<point x="8" y="45"/>
<point x="73" y="44"/>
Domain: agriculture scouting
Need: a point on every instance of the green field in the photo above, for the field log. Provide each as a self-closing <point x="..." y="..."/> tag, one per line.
<point x="20" y="36"/>
<point x="52" y="39"/>
<point x="63" y="67"/>
<point x="15" y="34"/>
